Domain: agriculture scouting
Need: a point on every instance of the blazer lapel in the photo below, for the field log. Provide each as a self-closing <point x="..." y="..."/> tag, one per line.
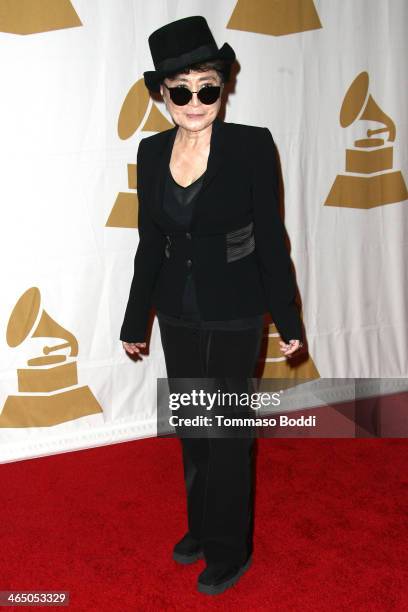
<point x="216" y="157"/>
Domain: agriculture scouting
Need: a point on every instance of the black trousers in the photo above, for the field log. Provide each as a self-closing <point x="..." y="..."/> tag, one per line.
<point x="219" y="471"/>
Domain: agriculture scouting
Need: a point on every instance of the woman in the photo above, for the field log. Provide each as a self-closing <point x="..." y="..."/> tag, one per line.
<point x="212" y="260"/>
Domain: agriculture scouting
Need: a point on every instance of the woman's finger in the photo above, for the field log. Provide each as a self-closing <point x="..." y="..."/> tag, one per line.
<point x="131" y="347"/>
<point x="292" y="347"/>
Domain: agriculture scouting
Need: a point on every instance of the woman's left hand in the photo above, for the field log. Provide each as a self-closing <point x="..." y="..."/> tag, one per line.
<point x="289" y="349"/>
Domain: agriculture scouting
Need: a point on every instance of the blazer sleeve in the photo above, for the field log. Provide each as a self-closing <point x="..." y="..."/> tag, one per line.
<point x="273" y="257"/>
<point x="147" y="263"/>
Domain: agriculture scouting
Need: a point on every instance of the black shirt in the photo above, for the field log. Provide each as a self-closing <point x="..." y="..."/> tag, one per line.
<point x="179" y="203"/>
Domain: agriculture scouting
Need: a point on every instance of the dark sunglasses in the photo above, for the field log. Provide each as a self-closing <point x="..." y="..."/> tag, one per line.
<point x="181" y="95"/>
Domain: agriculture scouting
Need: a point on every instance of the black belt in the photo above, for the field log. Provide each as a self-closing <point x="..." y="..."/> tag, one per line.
<point x="239" y="242"/>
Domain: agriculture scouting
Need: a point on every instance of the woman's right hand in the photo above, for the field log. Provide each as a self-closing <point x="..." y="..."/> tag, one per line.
<point x="133" y="347"/>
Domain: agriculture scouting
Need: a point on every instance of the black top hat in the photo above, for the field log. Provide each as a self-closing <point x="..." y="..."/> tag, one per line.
<point x="181" y="43"/>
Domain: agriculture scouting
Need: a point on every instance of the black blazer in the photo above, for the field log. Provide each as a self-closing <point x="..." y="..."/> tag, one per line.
<point x="239" y="189"/>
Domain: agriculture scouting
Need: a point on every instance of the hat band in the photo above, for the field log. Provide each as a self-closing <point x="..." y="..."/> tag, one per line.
<point x="198" y="54"/>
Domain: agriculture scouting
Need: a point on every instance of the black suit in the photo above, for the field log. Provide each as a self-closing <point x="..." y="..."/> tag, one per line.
<point x="240" y="186"/>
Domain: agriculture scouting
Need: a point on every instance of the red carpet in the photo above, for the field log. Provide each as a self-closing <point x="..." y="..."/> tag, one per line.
<point x="331" y="528"/>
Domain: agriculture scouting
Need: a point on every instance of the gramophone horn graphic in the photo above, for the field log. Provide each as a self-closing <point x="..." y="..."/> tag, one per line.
<point x="46" y="397"/>
<point x="373" y="182"/>
<point x="137" y="110"/>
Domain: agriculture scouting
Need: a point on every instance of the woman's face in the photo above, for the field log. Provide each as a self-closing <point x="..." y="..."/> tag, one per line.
<point x="195" y="115"/>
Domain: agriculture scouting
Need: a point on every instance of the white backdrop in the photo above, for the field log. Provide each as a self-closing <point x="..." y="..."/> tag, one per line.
<point x="73" y="110"/>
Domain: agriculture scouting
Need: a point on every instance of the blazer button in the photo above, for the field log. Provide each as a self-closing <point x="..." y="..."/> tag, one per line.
<point x="189" y="263"/>
<point x="188" y="235"/>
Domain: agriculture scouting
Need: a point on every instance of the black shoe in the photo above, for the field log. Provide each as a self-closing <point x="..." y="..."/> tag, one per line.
<point x="213" y="581"/>
<point x="188" y="550"/>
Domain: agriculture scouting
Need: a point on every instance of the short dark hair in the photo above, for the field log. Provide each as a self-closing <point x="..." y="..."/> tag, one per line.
<point x="220" y="66"/>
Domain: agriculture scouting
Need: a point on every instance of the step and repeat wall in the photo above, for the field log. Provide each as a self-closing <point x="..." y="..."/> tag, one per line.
<point x="327" y="77"/>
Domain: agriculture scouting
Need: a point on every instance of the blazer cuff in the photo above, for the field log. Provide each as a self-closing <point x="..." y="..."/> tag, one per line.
<point x="135" y="322"/>
<point x="287" y="321"/>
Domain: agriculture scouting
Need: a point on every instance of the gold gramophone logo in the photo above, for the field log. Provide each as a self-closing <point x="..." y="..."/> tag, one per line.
<point x="370" y="179"/>
<point x="137" y="109"/>
<point x="48" y="386"/>
<point x="34" y="16"/>
<point x="274" y="17"/>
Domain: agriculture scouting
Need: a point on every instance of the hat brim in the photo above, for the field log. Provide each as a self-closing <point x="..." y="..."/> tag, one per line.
<point x="153" y="78"/>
